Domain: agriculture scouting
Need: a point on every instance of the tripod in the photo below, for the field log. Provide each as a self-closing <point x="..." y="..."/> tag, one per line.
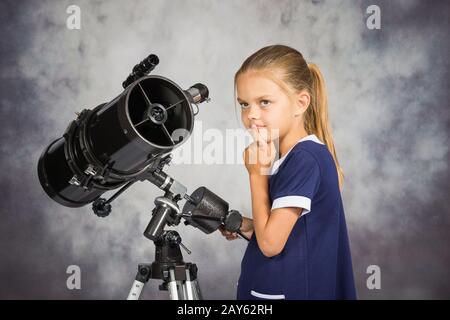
<point x="179" y="278"/>
<point x="203" y="209"/>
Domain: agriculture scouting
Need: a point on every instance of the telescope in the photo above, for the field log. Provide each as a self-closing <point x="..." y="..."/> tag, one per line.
<point x="130" y="139"/>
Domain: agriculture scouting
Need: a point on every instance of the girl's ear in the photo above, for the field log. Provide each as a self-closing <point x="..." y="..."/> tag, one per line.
<point x="302" y="101"/>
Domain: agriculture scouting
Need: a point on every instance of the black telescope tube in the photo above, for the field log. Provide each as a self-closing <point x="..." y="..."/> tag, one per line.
<point x="104" y="148"/>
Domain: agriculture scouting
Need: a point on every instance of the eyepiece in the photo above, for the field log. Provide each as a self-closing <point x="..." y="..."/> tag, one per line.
<point x="198" y="93"/>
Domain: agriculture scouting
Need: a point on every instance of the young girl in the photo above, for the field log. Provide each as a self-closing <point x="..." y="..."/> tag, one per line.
<point x="298" y="247"/>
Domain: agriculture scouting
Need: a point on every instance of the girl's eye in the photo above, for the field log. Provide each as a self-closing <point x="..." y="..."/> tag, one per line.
<point x="265" y="103"/>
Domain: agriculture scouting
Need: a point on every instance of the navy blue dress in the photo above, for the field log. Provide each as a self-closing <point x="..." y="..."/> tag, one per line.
<point x="316" y="260"/>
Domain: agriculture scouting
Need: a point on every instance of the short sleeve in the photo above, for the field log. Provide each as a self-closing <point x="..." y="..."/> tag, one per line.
<point x="296" y="182"/>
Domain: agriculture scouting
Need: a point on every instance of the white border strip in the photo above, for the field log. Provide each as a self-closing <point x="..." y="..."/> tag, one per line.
<point x="267" y="296"/>
<point x="293" y="201"/>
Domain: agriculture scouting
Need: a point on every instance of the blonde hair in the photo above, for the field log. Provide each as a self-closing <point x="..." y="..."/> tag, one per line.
<point x="298" y="75"/>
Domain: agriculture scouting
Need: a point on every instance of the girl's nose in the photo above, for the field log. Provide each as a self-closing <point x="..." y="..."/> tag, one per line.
<point x="253" y="113"/>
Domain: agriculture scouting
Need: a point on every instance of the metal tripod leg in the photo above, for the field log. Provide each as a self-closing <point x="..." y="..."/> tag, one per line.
<point x="191" y="288"/>
<point x="172" y="286"/>
<point x="136" y="290"/>
<point x="184" y="289"/>
<point x="197" y="292"/>
<point x="139" y="282"/>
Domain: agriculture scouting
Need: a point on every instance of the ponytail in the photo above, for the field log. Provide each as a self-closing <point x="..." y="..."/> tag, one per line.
<point x="316" y="116"/>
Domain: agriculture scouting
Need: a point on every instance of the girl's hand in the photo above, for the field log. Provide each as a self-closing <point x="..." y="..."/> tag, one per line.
<point x="227" y="234"/>
<point x="259" y="156"/>
<point x="246" y="228"/>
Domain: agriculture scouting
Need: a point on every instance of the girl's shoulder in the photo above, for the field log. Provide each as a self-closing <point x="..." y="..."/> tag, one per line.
<point x="310" y="151"/>
<point x="313" y="156"/>
<point x="305" y="157"/>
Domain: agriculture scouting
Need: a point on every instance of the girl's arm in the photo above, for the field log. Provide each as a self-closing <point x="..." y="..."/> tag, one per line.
<point x="272" y="227"/>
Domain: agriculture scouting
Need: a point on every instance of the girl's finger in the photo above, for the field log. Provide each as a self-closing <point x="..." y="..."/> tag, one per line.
<point x="254" y="133"/>
<point x="262" y="141"/>
<point x="263" y="134"/>
<point x="260" y="137"/>
<point x="257" y="135"/>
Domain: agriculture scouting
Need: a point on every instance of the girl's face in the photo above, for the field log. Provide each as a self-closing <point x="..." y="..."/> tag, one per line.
<point x="264" y="103"/>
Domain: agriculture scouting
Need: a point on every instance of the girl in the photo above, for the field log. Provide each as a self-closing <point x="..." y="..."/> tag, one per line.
<point x="298" y="247"/>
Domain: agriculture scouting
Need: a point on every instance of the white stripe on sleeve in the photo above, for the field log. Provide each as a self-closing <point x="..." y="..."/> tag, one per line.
<point x="293" y="201"/>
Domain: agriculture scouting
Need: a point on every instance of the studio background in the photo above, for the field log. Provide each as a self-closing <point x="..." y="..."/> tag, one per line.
<point x="388" y="107"/>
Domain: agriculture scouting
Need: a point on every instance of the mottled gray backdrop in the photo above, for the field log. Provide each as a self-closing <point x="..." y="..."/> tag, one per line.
<point x="388" y="91"/>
